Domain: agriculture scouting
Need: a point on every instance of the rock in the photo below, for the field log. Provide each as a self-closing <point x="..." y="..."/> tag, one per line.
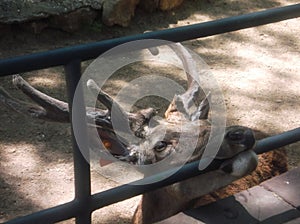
<point x="36" y="15"/>
<point x="4" y="28"/>
<point x="73" y="21"/>
<point x="149" y="5"/>
<point x="165" y="5"/>
<point x="169" y="4"/>
<point x="71" y="15"/>
<point x="118" y="12"/>
<point x="36" y="26"/>
<point x="20" y="11"/>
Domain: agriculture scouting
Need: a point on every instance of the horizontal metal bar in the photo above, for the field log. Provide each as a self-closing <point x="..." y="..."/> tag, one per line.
<point x="85" y="52"/>
<point x="76" y="207"/>
<point x="51" y="215"/>
<point x="277" y="141"/>
<point x="187" y="171"/>
<point x="123" y="192"/>
<point x="89" y="51"/>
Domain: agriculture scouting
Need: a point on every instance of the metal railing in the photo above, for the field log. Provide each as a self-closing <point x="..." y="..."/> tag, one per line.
<point x="84" y="202"/>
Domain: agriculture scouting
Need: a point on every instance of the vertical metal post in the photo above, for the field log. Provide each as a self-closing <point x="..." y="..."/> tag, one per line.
<point x="82" y="174"/>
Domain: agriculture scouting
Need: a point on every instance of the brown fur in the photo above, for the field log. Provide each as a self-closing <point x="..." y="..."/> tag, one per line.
<point x="270" y="164"/>
<point x="161" y="203"/>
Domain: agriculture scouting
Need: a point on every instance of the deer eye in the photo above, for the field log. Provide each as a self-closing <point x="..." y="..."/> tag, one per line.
<point x="160" y="146"/>
<point x="236" y="135"/>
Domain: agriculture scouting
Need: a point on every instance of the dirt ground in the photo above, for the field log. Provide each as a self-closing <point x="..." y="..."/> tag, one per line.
<point x="257" y="70"/>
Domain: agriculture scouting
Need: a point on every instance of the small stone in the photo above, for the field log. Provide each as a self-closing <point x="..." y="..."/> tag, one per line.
<point x="41" y="137"/>
<point x="118" y="12"/>
<point x="149" y="5"/>
<point x="35" y="27"/>
<point x="74" y="21"/>
<point x="169" y="4"/>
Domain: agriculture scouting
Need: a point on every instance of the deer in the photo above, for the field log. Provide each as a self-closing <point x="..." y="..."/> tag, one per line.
<point x="240" y="169"/>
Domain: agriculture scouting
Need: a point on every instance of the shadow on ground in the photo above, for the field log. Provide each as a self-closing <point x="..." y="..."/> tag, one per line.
<point x="36" y="156"/>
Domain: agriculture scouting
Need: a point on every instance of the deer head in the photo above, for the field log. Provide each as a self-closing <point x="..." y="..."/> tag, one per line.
<point x="178" y="138"/>
<point x="186" y="120"/>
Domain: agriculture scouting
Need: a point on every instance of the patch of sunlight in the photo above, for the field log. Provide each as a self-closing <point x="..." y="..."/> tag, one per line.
<point x="165" y="56"/>
<point x="251" y="53"/>
<point x="288" y="83"/>
<point x="195" y="18"/>
<point x="113" y="86"/>
<point x="45" y="81"/>
<point x="199" y="17"/>
<point x="57" y="185"/>
<point x="163" y="69"/>
<point x="19" y="158"/>
<point x="253" y="79"/>
<point x="42" y="182"/>
<point x="46" y="78"/>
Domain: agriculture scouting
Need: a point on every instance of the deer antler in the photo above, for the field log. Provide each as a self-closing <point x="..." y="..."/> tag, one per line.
<point x="136" y="120"/>
<point x="185" y="102"/>
<point x="22" y="107"/>
<point x="48" y="109"/>
<point x="168" y="138"/>
<point x="51" y="109"/>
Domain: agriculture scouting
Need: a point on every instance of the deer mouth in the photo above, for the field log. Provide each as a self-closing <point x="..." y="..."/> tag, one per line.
<point x="237" y="139"/>
<point x="241" y="136"/>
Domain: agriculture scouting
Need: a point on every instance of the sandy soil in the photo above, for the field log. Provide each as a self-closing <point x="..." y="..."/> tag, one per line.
<point x="257" y="69"/>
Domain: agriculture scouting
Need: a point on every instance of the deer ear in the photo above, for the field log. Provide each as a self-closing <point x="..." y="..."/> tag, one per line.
<point x="202" y="111"/>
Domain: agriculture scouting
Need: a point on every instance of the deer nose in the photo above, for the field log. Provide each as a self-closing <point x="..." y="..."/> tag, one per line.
<point x="236" y="134"/>
<point x="249" y="140"/>
<point x="241" y="135"/>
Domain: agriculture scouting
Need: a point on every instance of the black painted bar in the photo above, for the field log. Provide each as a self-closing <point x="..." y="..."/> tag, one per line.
<point x="82" y="176"/>
<point x="89" y="51"/>
<point x="84" y="203"/>
<point x="277" y="141"/>
<point x="123" y="192"/>
<point x="189" y="170"/>
<point x="51" y="215"/>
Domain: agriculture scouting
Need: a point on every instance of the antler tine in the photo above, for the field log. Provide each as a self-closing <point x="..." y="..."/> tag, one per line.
<point x="136" y="120"/>
<point x="194" y="94"/>
<point x="49" y="108"/>
<point x="21" y="106"/>
<point x="120" y="116"/>
<point x="202" y="111"/>
<point x="187" y="62"/>
<point x="105" y="99"/>
<point x="52" y="109"/>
